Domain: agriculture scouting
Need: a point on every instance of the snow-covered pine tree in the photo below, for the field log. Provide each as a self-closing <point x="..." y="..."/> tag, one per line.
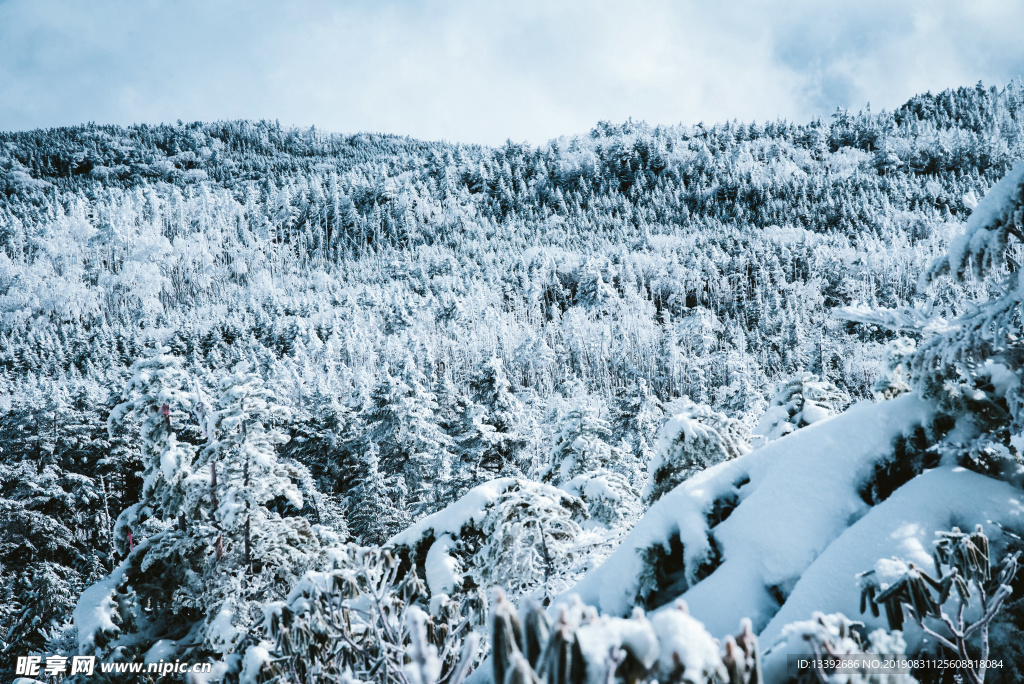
<point x="455" y="412"/>
<point x="47" y="540"/>
<point x="324" y="434"/>
<point x="157" y="396"/>
<point x="493" y="437"/>
<point x="637" y="415"/>
<point x="798" y="402"/>
<point x="137" y="600"/>
<point x="45" y="598"/>
<point x="694" y="438"/>
<point x="520" y="535"/>
<point x="402" y="422"/>
<point x="592" y="292"/>
<point x="583" y="443"/>
<point x="972" y="365"/>
<point x="377" y="508"/>
<point x="976" y="363"/>
<point x="214" y="550"/>
<point x="257" y="553"/>
<point x="585" y="464"/>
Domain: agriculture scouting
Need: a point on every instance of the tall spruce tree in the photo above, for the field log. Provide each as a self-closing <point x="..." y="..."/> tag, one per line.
<point x="206" y="551"/>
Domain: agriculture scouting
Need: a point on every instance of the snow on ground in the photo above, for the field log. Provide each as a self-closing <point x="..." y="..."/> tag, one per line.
<point x="801" y="496"/>
<point x="903" y="526"/>
<point x="442" y="570"/>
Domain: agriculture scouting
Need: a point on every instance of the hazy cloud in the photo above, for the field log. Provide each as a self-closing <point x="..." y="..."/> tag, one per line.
<point x="486" y="71"/>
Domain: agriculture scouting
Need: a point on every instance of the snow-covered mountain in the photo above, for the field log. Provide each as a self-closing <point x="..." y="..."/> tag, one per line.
<point x="734" y="365"/>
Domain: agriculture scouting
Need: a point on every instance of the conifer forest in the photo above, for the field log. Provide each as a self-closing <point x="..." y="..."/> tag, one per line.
<point x="648" y="404"/>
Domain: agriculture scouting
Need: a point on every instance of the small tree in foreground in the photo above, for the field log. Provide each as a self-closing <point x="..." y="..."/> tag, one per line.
<point x="205" y="546"/>
<point x="963" y="562"/>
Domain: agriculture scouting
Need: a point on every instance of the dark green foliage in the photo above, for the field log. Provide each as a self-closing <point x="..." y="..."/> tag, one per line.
<point x="664" y="576"/>
<point x="911" y="455"/>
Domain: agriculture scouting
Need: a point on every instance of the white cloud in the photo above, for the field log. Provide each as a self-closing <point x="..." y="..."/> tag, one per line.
<point x="486" y="71"/>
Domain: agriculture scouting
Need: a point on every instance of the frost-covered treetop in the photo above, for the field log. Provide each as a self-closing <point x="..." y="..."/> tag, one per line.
<point x="694" y="438"/>
<point x="981" y="248"/>
<point x="798" y="402"/>
<point x="156" y="392"/>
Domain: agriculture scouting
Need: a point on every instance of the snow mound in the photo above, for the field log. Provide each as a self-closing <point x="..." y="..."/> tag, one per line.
<point x="442" y="570"/>
<point x="903" y="526"/>
<point x="735" y="539"/>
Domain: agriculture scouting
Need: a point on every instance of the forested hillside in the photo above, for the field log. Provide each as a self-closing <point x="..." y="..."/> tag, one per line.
<point x="229" y="349"/>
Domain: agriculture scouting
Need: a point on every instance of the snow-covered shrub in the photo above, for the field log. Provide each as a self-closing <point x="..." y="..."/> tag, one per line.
<point x="911" y="454"/>
<point x="693" y="439"/>
<point x="585" y="464"/>
<point x="1007" y="638"/>
<point x="583" y="647"/>
<point x="583" y="444"/>
<point x="798" y="402"/>
<point x="609" y="497"/>
<point x="798" y="521"/>
<point x="836" y="636"/>
<point x="516" y="534"/>
<point x="366" y="618"/>
<point x="963" y="561"/>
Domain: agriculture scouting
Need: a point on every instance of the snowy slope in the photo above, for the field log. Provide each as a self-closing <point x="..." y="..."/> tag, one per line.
<point x="796" y="496"/>
<point x="903" y="526"/>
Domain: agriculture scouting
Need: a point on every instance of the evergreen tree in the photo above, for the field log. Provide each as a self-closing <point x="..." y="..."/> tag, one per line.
<point x="637" y="415"/>
<point x="402" y="422"/>
<point x="694" y="438"/>
<point x="48" y="540"/>
<point x="585" y="464"/>
<point x="215" y="550"/>
<point x="494" y="439"/>
<point x="582" y="445"/>
<point x="798" y="402"/>
<point x="157" y="396"/>
<point x="378" y="506"/>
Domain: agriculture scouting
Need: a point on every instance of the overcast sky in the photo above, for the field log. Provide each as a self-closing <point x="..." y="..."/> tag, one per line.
<point x="483" y="71"/>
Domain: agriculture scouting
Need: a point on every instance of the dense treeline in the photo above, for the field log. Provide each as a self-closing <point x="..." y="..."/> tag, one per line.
<point x="435" y="314"/>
